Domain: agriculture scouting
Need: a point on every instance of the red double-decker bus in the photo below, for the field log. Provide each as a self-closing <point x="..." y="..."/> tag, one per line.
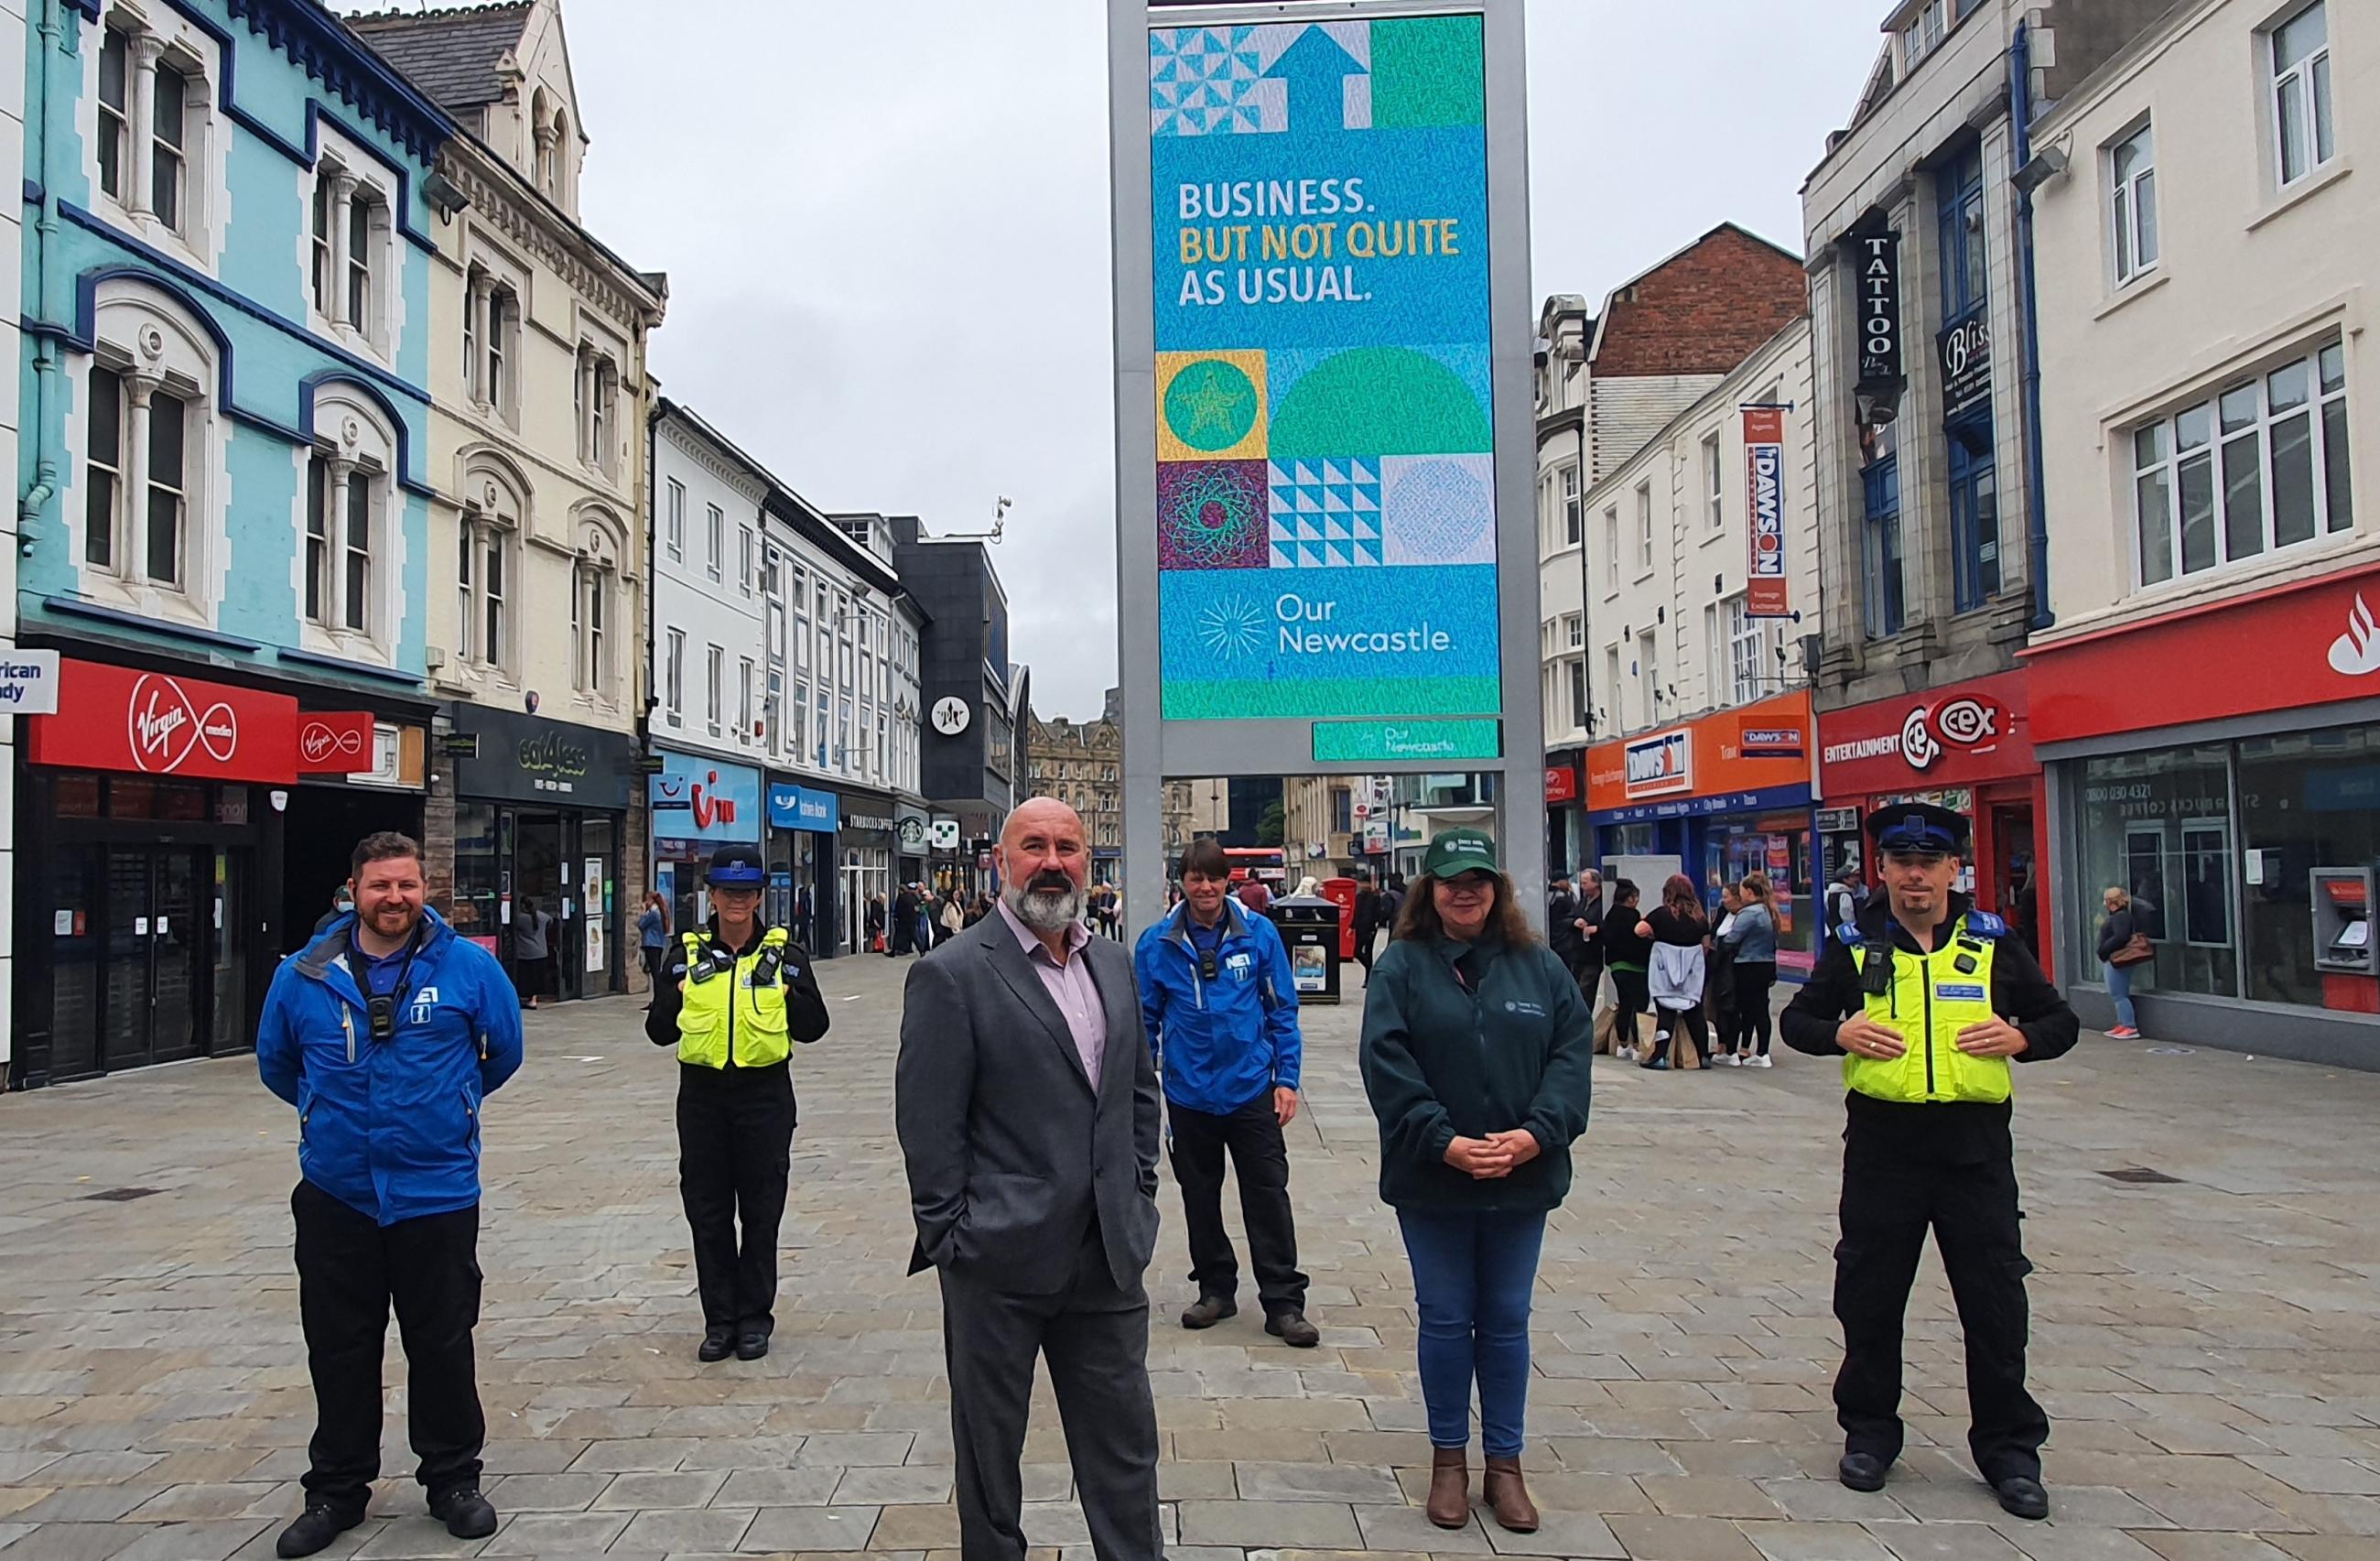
<point x="1266" y="864"/>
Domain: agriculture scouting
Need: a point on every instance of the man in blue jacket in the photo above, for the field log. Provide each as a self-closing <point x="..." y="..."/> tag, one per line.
<point x="1220" y="1007"/>
<point x="386" y="1033"/>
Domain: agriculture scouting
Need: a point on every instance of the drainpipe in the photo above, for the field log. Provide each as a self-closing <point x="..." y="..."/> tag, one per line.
<point x="47" y="364"/>
<point x="1586" y="645"/>
<point x="2036" y="534"/>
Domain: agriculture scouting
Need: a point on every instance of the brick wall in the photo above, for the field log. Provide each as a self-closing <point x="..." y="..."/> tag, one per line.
<point x="1703" y="312"/>
<point x="636" y="877"/>
<point x="438" y="832"/>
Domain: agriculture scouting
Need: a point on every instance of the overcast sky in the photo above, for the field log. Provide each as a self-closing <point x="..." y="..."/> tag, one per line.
<point x="886" y="231"/>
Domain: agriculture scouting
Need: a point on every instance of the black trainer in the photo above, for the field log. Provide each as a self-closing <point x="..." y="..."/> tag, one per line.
<point x="321" y="1522"/>
<point x="718" y="1344"/>
<point x="467" y="1514"/>
<point x="1208" y="1311"/>
<point x="1862" y="1472"/>
<point x="752" y="1344"/>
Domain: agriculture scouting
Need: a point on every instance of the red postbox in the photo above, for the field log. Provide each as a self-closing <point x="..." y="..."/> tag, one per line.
<point x="1340" y="892"/>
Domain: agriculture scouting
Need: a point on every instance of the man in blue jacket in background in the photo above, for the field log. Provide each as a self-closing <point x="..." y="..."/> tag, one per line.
<point x="1220" y="1007"/>
<point x="386" y="1033"/>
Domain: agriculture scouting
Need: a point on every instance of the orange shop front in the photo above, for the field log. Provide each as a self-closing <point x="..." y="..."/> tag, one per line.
<point x="1714" y="797"/>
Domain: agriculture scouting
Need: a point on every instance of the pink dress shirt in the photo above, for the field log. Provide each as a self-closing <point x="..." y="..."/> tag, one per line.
<point x="1070" y="986"/>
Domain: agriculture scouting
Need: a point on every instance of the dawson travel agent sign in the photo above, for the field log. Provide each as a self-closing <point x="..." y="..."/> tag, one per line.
<point x="1325" y="495"/>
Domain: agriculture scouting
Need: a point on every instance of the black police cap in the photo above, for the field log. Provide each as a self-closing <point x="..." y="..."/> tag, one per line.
<point x="736" y="867"/>
<point x="1922" y="828"/>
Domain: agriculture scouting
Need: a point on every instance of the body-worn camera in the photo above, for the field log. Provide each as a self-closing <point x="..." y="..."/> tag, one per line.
<point x="382" y="1008"/>
<point x="1876" y="970"/>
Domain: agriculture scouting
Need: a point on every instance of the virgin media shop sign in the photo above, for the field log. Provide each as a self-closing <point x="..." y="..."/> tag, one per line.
<point x="150" y="723"/>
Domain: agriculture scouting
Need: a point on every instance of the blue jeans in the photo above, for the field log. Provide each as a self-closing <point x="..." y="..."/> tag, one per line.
<point x="2120" y="987"/>
<point x="1471" y="1278"/>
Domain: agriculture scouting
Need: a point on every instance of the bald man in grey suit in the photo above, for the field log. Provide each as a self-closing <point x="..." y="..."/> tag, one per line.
<point x="1027" y="1110"/>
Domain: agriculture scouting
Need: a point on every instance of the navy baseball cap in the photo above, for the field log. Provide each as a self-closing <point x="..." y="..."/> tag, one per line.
<point x="736" y="867"/>
<point x="1918" y="829"/>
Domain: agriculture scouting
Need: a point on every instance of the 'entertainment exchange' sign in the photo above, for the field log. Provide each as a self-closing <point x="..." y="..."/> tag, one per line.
<point x="1326" y="514"/>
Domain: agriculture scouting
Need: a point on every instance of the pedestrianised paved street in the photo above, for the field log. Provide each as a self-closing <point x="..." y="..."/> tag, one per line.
<point x="2205" y="1343"/>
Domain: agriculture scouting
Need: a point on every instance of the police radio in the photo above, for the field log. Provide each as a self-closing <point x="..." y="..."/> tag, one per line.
<point x="764" y="970"/>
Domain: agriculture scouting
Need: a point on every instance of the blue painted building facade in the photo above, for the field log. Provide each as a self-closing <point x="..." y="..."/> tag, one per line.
<point x="222" y="492"/>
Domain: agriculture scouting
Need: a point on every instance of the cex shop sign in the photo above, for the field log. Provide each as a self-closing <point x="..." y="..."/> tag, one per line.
<point x="152" y="723"/>
<point x="1967" y="733"/>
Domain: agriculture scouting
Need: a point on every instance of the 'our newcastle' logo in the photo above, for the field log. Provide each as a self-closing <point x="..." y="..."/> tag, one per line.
<point x="1231" y="627"/>
<point x="1659" y="764"/>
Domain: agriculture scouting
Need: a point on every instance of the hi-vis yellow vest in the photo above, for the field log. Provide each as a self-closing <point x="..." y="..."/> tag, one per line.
<point x="1933" y="997"/>
<point x="727" y="1018"/>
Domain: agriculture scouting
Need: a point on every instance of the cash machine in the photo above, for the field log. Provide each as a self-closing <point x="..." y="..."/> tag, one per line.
<point x="2343" y="939"/>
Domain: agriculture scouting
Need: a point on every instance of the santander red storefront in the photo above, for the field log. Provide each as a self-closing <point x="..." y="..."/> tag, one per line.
<point x="1968" y="746"/>
<point x="2222" y="765"/>
<point x="149" y="862"/>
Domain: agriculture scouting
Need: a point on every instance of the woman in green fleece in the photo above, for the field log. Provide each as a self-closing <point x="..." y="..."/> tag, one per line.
<point x="1476" y="1047"/>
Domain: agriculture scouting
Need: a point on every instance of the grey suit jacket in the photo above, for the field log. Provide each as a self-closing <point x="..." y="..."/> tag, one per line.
<point x="1011" y="1148"/>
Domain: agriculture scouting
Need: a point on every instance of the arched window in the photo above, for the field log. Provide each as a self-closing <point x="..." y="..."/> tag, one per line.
<point x="487" y="562"/>
<point x="150" y="133"/>
<point x="151" y="538"/>
<point x="594" y="604"/>
<point x="350" y="564"/>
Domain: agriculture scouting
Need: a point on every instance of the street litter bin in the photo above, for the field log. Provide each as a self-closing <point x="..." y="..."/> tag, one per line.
<point x="1310" y="926"/>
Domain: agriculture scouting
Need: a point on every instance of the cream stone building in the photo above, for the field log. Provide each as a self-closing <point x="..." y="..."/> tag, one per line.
<point x="2206" y="697"/>
<point x="537" y="611"/>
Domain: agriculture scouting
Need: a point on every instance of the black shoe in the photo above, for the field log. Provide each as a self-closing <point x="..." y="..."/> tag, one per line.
<point x="467" y="1514"/>
<point x="2021" y="1497"/>
<point x="1290" y="1326"/>
<point x="321" y="1523"/>
<point x="1862" y="1472"/>
<point x="717" y="1344"/>
<point x="752" y="1345"/>
<point x="1209" y="1311"/>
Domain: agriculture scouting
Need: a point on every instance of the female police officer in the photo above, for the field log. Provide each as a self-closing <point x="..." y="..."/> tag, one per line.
<point x="1940" y="999"/>
<point x="734" y="996"/>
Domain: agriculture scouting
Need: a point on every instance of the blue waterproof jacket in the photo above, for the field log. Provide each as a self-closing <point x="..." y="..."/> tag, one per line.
<point x="391" y="1127"/>
<point x="1219" y="1044"/>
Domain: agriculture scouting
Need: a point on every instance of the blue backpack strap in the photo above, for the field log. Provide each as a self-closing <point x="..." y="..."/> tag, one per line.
<point x="1984" y="924"/>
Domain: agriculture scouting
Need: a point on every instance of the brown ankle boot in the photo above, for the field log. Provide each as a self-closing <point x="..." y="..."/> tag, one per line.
<point x="1450" y="1487"/>
<point x="1508" y="1495"/>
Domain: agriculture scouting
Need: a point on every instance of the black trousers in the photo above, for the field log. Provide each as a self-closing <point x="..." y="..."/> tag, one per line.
<point x="350" y="1270"/>
<point x="1095" y="1338"/>
<point x="1260" y="1158"/>
<point x="1755" y="979"/>
<point x="1889" y="1199"/>
<point x="735" y="1152"/>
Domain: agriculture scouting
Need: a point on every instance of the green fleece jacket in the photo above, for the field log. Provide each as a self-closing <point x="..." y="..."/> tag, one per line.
<point x="1504" y="1041"/>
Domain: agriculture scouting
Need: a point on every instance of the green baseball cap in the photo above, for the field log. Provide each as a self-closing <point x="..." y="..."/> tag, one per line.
<point x="1461" y="851"/>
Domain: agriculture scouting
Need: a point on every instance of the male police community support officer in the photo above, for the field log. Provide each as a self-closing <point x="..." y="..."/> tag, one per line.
<point x="386" y="1031"/>
<point x="1940" y="998"/>
<point x="735" y="996"/>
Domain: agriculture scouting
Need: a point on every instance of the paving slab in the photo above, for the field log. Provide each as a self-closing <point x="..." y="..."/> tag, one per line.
<point x="2205" y="1346"/>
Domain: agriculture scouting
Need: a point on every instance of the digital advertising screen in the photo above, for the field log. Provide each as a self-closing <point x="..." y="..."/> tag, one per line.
<point x="1325" y="495"/>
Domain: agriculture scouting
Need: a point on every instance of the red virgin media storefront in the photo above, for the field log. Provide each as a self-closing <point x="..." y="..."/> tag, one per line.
<point x="1967" y="746"/>
<point x="2221" y="765"/>
<point x="148" y="897"/>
